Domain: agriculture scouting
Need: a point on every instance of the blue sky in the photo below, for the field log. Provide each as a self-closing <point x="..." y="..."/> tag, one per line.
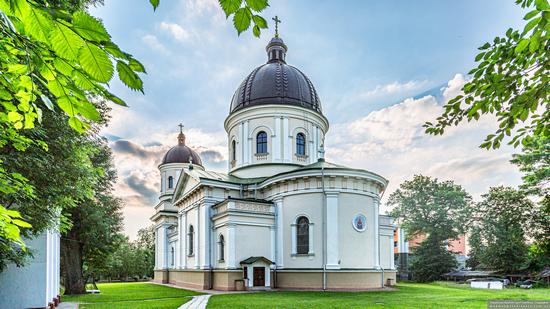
<point x="381" y="69"/>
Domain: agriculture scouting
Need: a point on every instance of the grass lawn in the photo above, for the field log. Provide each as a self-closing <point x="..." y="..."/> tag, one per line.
<point x="409" y="295"/>
<point x="132" y="295"/>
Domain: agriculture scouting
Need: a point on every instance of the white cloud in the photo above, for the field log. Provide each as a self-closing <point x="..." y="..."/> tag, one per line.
<point x="391" y="88"/>
<point x="177" y="31"/>
<point x="391" y="141"/>
<point x="153" y="42"/>
<point x="454" y="87"/>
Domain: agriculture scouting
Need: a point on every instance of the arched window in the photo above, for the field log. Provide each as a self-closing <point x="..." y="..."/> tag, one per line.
<point x="302" y="235"/>
<point x="170" y="182"/>
<point x="190" y="239"/>
<point x="300" y="144"/>
<point x="221" y="243"/>
<point x="261" y="142"/>
<point x="233" y="150"/>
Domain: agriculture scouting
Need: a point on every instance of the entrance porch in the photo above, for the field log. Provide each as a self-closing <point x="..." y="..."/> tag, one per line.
<point x="257" y="272"/>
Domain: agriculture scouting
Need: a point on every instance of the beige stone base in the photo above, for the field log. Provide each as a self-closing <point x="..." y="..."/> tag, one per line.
<point x="161" y="276"/>
<point x="228" y="280"/>
<point x="335" y="280"/>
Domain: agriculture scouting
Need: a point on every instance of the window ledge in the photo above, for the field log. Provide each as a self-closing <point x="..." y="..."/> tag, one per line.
<point x="221" y="261"/>
<point x="302" y="254"/>
<point x="191" y="255"/>
<point x="261" y="154"/>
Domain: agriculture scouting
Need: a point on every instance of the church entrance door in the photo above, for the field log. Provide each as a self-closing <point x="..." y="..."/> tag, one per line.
<point x="259" y="276"/>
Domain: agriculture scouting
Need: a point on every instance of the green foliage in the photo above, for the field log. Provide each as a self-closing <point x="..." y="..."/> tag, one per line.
<point x="534" y="161"/>
<point x="426" y="206"/>
<point x="430" y="260"/>
<point x="244" y="14"/>
<point x="60" y="177"/>
<point x="70" y="54"/>
<point x="510" y="82"/>
<point x="154" y="3"/>
<point x="505" y="219"/>
<point x="131" y="260"/>
<point x="96" y="222"/>
<point x="53" y="57"/>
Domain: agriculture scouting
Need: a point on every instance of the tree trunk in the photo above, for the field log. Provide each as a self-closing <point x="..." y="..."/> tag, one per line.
<point x="72" y="259"/>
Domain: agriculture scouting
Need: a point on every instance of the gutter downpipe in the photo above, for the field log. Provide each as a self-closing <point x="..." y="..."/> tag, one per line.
<point x="322" y="159"/>
<point x="212" y="238"/>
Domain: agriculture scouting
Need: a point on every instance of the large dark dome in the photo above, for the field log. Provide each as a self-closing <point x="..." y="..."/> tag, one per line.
<point x="181" y="153"/>
<point x="276" y="83"/>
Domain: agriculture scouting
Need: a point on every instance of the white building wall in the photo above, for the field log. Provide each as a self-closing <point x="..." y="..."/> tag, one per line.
<point x="281" y="123"/>
<point x="293" y="206"/>
<point x="36" y="284"/>
<point x="357" y="249"/>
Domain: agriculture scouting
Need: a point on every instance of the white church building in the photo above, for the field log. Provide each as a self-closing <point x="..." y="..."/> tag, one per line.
<point x="282" y="217"/>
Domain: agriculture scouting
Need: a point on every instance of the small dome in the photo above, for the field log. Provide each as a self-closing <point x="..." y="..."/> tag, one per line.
<point x="276" y="83"/>
<point x="181" y="153"/>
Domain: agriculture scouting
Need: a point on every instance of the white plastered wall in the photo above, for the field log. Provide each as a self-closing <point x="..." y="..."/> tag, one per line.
<point x="281" y="123"/>
<point x="357" y="249"/>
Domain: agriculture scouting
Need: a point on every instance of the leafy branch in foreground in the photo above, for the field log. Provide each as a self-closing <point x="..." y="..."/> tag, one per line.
<point x="511" y="82"/>
<point x="52" y="56"/>
<point x="245" y="13"/>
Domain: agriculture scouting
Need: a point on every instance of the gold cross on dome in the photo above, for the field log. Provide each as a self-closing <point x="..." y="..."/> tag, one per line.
<point x="181" y="127"/>
<point x="277" y="21"/>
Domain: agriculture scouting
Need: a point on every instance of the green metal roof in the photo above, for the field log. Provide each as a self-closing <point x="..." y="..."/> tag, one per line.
<point x="254" y="259"/>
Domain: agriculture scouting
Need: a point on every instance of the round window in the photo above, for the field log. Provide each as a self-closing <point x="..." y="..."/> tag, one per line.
<point x="360" y="222"/>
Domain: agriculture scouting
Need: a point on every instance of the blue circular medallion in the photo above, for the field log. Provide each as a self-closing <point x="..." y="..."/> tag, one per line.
<point x="360" y="222"/>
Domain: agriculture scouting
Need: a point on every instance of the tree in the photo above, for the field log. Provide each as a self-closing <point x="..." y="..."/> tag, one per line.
<point x="510" y="82"/>
<point x="438" y="210"/>
<point x="534" y="161"/>
<point x="131" y="259"/>
<point x="476" y="249"/>
<point x="504" y="221"/>
<point x="430" y="260"/>
<point x="61" y="176"/>
<point x="426" y="206"/>
<point x="50" y="51"/>
<point x="145" y="243"/>
<point x="96" y="224"/>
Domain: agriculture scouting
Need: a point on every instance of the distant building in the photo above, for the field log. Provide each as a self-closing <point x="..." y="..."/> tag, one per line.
<point x="36" y="285"/>
<point x="402" y="248"/>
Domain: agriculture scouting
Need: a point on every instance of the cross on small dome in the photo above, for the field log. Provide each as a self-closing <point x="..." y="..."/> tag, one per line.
<point x="181" y="136"/>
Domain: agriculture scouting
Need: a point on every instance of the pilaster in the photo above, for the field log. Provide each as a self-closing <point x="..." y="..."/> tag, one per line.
<point x="184" y="249"/>
<point x="276" y="140"/>
<point x="177" y="253"/>
<point x="231" y="246"/>
<point x="333" y="254"/>
<point x="286" y="138"/>
<point x="280" y="230"/>
<point x="376" y="233"/>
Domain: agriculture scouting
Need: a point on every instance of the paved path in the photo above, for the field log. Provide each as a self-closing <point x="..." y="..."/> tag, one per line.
<point x="67" y="305"/>
<point x="198" y="302"/>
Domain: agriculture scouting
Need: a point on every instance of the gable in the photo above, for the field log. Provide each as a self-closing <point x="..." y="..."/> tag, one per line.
<point x="185" y="184"/>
